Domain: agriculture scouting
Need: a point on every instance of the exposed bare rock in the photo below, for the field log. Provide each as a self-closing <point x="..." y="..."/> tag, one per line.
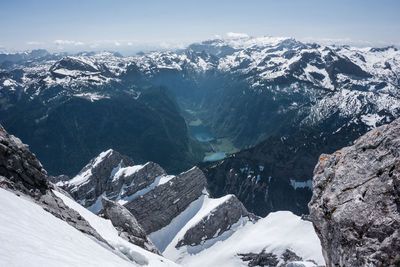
<point x="287" y="259"/>
<point x="260" y="259"/>
<point x="58" y="178"/>
<point x="219" y="220"/>
<point x="355" y="206"/>
<point x="94" y="178"/>
<point x="20" y="166"/>
<point x="22" y="173"/>
<point x="127" y="225"/>
<point x="142" y="178"/>
<point x="158" y="207"/>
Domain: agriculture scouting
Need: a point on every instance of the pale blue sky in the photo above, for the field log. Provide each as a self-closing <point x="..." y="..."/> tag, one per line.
<point x="131" y="25"/>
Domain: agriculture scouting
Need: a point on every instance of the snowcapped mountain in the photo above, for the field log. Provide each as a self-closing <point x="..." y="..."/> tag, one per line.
<point x="320" y="80"/>
<point x="262" y="61"/>
<point x="247" y="91"/>
<point x="339" y="79"/>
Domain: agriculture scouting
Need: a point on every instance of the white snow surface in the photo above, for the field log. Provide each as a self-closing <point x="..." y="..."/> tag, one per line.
<point x="371" y="119"/>
<point x="110" y="234"/>
<point x="127" y="171"/>
<point x="30" y="236"/>
<point x="167" y="237"/>
<point x="275" y="233"/>
<point x="157" y="182"/>
<point x="91" y="96"/>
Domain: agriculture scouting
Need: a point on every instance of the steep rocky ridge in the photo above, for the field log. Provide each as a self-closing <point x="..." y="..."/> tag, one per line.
<point x="114" y="176"/>
<point x="23" y="174"/>
<point x="126" y="224"/>
<point x="356" y="200"/>
<point x="158" y="207"/>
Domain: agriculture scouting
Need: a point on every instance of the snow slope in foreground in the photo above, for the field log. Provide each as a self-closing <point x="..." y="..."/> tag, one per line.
<point x="275" y="233"/>
<point x="30" y="236"/>
<point x="110" y="234"/>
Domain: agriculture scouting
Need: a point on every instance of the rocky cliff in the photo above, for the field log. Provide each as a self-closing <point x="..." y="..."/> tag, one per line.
<point x="126" y="224"/>
<point x="355" y="206"/>
<point x="23" y="174"/>
<point x="159" y="206"/>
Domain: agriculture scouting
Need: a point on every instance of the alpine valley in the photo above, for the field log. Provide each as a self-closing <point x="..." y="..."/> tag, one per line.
<point x="204" y="156"/>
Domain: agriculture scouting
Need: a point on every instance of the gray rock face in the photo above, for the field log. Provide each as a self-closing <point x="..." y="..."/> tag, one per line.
<point x="135" y="182"/>
<point x="22" y="173"/>
<point x="127" y="225"/>
<point x="158" y="207"/>
<point x="58" y="178"/>
<point x="355" y="206"/>
<point x="111" y="175"/>
<point x="96" y="175"/>
<point x="20" y="166"/>
<point x="219" y="220"/>
<point x="287" y="259"/>
<point x="260" y="259"/>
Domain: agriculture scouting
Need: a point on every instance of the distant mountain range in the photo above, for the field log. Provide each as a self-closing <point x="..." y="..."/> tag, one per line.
<point x="273" y="94"/>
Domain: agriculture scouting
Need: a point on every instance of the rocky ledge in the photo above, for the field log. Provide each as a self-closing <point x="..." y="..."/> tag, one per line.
<point x="355" y="206"/>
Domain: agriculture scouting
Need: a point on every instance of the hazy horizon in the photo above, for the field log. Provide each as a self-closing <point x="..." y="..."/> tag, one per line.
<point x="132" y="26"/>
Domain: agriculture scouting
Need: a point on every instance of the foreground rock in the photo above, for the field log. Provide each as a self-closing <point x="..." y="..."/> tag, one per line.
<point x="127" y="225"/>
<point x="23" y="174"/>
<point x="355" y="206"/>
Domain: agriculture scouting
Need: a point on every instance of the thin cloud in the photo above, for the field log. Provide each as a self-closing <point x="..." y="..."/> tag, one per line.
<point x="34" y="43"/>
<point x="68" y="42"/>
<point x="237" y="35"/>
<point x="170" y="45"/>
<point x="340" y="41"/>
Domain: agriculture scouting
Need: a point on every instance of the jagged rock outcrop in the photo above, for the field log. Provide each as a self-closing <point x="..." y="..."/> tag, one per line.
<point x="112" y="175"/>
<point x="217" y="222"/>
<point x="143" y="199"/>
<point x="58" y="178"/>
<point x="261" y="259"/>
<point x="23" y="174"/>
<point x="158" y="207"/>
<point x="355" y="206"/>
<point x="134" y="179"/>
<point x="126" y="224"/>
<point x="287" y="259"/>
<point x="92" y="180"/>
